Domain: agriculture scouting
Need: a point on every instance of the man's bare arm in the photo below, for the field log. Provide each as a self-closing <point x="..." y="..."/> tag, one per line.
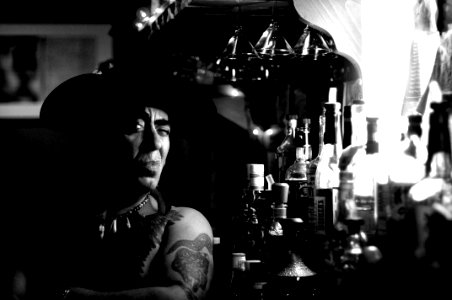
<point x="188" y="261"/>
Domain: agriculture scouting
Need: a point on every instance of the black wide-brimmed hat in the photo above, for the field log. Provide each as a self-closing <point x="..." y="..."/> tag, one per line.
<point x="91" y="100"/>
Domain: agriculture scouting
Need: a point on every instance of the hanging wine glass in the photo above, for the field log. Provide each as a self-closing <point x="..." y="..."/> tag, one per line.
<point x="273" y="46"/>
<point x="272" y="43"/>
<point x="239" y="60"/>
<point x="312" y="44"/>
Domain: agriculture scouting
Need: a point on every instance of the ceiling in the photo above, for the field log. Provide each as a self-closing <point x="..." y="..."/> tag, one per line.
<point x="105" y="12"/>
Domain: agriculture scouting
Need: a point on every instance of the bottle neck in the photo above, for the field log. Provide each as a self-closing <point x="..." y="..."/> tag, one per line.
<point x="347" y="129"/>
<point x="332" y="126"/>
<point x="321" y="134"/>
<point x="372" y="146"/>
<point x="439" y="148"/>
<point x="358" y="120"/>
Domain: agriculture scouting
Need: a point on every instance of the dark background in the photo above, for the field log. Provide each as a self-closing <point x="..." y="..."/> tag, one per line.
<point x="207" y="165"/>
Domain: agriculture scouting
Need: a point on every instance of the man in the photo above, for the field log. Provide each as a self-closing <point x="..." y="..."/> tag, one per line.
<point x="122" y="239"/>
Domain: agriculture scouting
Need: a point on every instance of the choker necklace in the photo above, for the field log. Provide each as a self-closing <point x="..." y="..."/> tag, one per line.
<point x="123" y="218"/>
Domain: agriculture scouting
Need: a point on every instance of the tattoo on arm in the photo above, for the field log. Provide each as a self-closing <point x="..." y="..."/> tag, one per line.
<point x="191" y="263"/>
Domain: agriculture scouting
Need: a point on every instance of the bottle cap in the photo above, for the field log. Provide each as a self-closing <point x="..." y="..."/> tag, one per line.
<point x="255" y="174"/>
<point x="280" y="192"/>
<point x="238" y="260"/>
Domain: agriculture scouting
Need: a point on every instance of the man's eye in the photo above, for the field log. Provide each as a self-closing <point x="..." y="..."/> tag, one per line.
<point x="133" y="126"/>
<point x="164" y="131"/>
<point x="139" y="126"/>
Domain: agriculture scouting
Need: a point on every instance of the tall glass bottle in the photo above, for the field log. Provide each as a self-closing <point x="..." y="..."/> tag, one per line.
<point x="407" y="167"/>
<point x="248" y="231"/>
<point x="301" y="193"/>
<point x="432" y="196"/>
<point x="285" y="152"/>
<point x="356" y="134"/>
<point x="347" y="126"/>
<point x="370" y="173"/>
<point x="306" y="128"/>
<point x="312" y="165"/>
<point x="327" y="173"/>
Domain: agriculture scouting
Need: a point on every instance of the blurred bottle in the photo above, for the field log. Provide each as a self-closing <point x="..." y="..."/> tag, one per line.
<point x="248" y="231"/>
<point x="347" y="126"/>
<point x="432" y="196"/>
<point x="327" y="173"/>
<point x="285" y="152"/>
<point x="301" y="193"/>
<point x="306" y="129"/>
<point x="238" y="276"/>
<point x="407" y="167"/>
<point x="370" y="173"/>
<point x="356" y="135"/>
<point x="312" y="165"/>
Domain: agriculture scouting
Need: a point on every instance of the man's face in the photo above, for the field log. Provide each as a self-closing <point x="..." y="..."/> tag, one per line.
<point x="148" y="137"/>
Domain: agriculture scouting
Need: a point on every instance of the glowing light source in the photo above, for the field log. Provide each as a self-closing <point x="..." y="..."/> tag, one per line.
<point x="385" y="62"/>
<point x="257" y="131"/>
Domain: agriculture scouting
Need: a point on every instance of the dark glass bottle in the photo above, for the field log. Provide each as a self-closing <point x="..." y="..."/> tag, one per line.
<point x="285" y="152"/>
<point x="312" y="165"/>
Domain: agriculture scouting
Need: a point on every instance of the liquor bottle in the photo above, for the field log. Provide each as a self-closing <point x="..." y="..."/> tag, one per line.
<point x="246" y="227"/>
<point x="301" y="193"/>
<point x="432" y="196"/>
<point x="327" y="173"/>
<point x="312" y="165"/>
<point x="238" y="276"/>
<point x="369" y="174"/>
<point x="306" y="128"/>
<point x="285" y="152"/>
<point x="406" y="169"/>
<point x="347" y="126"/>
<point x="356" y="135"/>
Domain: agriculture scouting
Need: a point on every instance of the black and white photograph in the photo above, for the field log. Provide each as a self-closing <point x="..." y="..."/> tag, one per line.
<point x="225" y="149"/>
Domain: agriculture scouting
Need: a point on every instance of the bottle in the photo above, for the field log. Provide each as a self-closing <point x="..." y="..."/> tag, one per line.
<point x="248" y="237"/>
<point x="312" y="165"/>
<point x="431" y="196"/>
<point x="285" y="152"/>
<point x="347" y="126"/>
<point x="369" y="174"/>
<point x="356" y="135"/>
<point x="301" y="193"/>
<point x="306" y="128"/>
<point x="406" y="169"/>
<point x="238" y="276"/>
<point x="327" y="173"/>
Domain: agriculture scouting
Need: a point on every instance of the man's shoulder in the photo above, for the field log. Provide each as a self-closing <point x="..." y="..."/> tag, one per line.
<point x="188" y="219"/>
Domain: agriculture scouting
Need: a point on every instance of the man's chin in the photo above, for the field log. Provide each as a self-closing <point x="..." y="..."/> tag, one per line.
<point x="148" y="182"/>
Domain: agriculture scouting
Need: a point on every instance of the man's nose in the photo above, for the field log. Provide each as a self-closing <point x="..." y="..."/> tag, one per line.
<point x="151" y="140"/>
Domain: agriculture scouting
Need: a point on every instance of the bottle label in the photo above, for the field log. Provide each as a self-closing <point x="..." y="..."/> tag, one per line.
<point x="302" y="204"/>
<point x="326" y="210"/>
<point x="365" y="209"/>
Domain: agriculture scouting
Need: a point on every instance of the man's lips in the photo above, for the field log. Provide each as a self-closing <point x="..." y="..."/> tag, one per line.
<point x="149" y="168"/>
